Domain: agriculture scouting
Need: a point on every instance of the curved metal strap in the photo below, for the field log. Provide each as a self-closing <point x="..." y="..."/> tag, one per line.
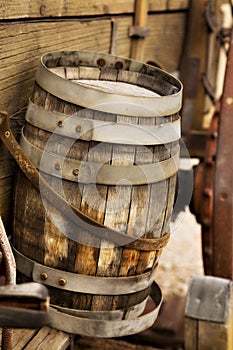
<point x="82" y="283"/>
<point x="83" y="221"/>
<point x="119" y="314"/>
<point x="101" y="100"/>
<point x="97" y="173"/>
<point x="105" y="328"/>
<point x="77" y="127"/>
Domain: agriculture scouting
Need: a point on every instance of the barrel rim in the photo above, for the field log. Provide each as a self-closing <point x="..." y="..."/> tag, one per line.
<point x="149" y="106"/>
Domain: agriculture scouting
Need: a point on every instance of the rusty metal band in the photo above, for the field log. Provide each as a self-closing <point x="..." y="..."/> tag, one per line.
<point x="126" y="313"/>
<point x="101" y="100"/>
<point x="106" y="328"/>
<point x="97" y="173"/>
<point x="150" y="244"/>
<point x="82" y="283"/>
<point x="89" y="129"/>
<point x="81" y="220"/>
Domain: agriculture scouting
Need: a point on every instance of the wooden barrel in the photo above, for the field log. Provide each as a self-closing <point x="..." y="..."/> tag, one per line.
<point x="104" y="133"/>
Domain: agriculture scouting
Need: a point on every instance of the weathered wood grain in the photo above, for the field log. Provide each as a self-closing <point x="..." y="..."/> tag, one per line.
<point x="48" y="338"/>
<point x="108" y="259"/>
<point x="117" y="209"/>
<point x="165" y="43"/>
<point x="51" y="339"/>
<point x="22" y="44"/>
<point x="212" y="335"/>
<point x="194" y="66"/>
<point x="191" y="331"/>
<point x="177" y="4"/>
<point x="45" y="338"/>
<point x="123" y="41"/>
<point x="6" y="185"/>
<point x="63" y="8"/>
<point x="93" y="204"/>
<point x="22" y="337"/>
<point x="140" y="20"/>
<point x="26" y="198"/>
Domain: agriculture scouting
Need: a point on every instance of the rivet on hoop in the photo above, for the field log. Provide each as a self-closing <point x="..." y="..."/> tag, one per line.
<point x="76" y="172"/>
<point x="44" y="276"/>
<point x="101" y="62"/>
<point x="62" y="281"/>
<point x="57" y="166"/>
<point x="7" y="133"/>
<point x="78" y="128"/>
<point x="60" y="123"/>
<point x="118" y="65"/>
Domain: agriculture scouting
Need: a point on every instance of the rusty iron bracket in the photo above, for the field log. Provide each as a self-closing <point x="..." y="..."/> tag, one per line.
<point x="139" y="31"/>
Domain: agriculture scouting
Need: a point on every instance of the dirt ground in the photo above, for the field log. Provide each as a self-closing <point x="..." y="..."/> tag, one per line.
<point x="181" y="258"/>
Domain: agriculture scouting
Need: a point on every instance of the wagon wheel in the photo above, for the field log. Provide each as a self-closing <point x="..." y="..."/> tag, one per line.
<point x="213" y="196"/>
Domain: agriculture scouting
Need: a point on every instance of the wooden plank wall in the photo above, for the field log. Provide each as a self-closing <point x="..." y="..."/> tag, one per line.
<point x="64" y="8"/>
<point x="29" y="28"/>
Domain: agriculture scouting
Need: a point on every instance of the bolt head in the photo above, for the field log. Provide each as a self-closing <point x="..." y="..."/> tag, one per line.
<point x="57" y="166"/>
<point x="76" y="172"/>
<point x="44" y="276"/>
<point x="78" y="128"/>
<point x="60" y="123"/>
<point x="62" y="281"/>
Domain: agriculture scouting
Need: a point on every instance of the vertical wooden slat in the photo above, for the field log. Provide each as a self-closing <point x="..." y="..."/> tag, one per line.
<point x="96" y="201"/>
<point x="193" y="67"/>
<point x="191" y="334"/>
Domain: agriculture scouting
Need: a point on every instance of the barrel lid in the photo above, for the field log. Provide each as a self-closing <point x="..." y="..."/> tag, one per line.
<point x="116" y="87"/>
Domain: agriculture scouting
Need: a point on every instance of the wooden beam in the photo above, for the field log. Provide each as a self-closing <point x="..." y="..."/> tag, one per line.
<point x="194" y="66"/>
<point x="164" y="45"/>
<point x="64" y="8"/>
